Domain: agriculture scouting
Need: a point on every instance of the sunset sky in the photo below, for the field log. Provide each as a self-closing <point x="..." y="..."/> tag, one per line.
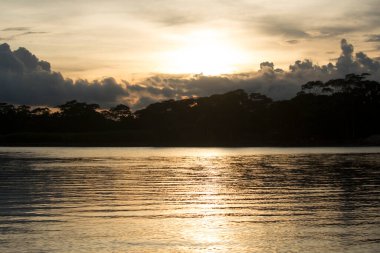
<point x="142" y="45"/>
<point x="95" y="38"/>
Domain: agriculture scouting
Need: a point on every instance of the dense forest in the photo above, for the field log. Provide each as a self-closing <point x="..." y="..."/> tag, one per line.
<point x="337" y="112"/>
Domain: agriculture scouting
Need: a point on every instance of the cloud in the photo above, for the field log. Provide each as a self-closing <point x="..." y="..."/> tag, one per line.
<point x="22" y="31"/>
<point x="12" y="29"/>
<point x="334" y="31"/>
<point x="24" y="79"/>
<point x="178" y="20"/>
<point x="370" y="64"/>
<point x="294" y="30"/>
<point x="373" y="38"/>
<point x="30" y="32"/>
<point x="269" y="80"/>
<point x="30" y="61"/>
<point x="288" y="29"/>
<point x="292" y="42"/>
<point x="346" y="62"/>
<point x="266" y="64"/>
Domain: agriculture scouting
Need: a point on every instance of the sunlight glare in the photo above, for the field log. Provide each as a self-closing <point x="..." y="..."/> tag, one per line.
<point x="206" y="52"/>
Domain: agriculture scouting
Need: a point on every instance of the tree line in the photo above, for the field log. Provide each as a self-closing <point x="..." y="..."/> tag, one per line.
<point x="338" y="111"/>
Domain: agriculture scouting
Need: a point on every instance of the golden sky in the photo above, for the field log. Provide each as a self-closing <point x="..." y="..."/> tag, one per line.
<point x="126" y="39"/>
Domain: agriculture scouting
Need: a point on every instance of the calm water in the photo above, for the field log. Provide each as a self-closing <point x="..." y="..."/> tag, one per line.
<point x="189" y="200"/>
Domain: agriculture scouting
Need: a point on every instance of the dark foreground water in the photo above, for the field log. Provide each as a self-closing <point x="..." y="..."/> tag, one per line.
<point x="189" y="200"/>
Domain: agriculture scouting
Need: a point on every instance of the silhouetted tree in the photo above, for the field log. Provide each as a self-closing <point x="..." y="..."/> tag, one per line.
<point x="76" y="109"/>
<point x="80" y="116"/>
<point x="336" y="111"/>
<point x="121" y="113"/>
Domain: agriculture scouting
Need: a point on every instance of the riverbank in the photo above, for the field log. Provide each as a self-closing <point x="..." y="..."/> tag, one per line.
<point x="146" y="139"/>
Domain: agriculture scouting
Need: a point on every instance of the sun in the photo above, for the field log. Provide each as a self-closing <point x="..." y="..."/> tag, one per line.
<point x="206" y="52"/>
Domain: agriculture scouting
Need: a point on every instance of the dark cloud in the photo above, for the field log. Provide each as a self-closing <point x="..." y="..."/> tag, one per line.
<point x="293" y="30"/>
<point x="370" y="64"/>
<point x="334" y="31"/>
<point x="266" y="64"/>
<point x="12" y="37"/>
<point x="30" y="61"/>
<point x="13" y="29"/>
<point x="292" y="42"/>
<point x="9" y="62"/>
<point x="176" y="20"/>
<point x="273" y="26"/>
<point x="24" y="79"/>
<point x="347" y="49"/>
<point x="346" y="62"/>
<point x="30" y="32"/>
<point x="374" y="38"/>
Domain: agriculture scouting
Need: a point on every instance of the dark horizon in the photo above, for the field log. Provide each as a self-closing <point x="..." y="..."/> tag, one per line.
<point x="336" y="112"/>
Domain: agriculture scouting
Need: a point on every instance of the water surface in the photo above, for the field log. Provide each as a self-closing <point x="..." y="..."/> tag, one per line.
<point x="189" y="200"/>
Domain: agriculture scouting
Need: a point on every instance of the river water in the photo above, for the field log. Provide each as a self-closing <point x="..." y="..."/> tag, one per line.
<point x="189" y="200"/>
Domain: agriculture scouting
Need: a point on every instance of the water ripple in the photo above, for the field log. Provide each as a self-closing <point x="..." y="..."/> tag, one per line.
<point x="189" y="200"/>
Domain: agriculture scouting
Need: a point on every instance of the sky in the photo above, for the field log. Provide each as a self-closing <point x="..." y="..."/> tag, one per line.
<point x="152" y="49"/>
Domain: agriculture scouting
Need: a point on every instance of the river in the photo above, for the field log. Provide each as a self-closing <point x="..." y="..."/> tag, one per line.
<point x="189" y="199"/>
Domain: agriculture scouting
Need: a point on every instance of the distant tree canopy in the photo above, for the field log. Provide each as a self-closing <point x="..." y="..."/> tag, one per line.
<point x="352" y="85"/>
<point x="336" y="110"/>
<point x="119" y="113"/>
<point x="74" y="109"/>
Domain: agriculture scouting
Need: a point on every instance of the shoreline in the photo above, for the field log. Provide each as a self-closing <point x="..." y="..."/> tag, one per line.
<point x="149" y="139"/>
<point x="147" y="145"/>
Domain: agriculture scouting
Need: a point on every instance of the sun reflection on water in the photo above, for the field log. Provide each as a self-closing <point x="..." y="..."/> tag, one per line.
<point x="205" y="231"/>
<point x="188" y="200"/>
